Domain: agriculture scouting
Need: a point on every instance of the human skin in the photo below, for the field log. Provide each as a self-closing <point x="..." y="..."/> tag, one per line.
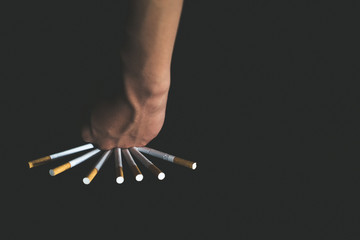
<point x="137" y="114"/>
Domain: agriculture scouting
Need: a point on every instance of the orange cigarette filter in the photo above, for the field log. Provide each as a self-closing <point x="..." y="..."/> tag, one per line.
<point x="97" y="167"/>
<point x="39" y="161"/>
<point x="60" y="169"/>
<point x="119" y="175"/>
<point x="90" y="176"/>
<point x="135" y="170"/>
<point x="185" y="163"/>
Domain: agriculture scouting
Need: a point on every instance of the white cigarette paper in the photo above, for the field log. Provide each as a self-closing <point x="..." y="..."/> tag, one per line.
<point x="72" y="151"/>
<point x="102" y="160"/>
<point x="156" y="153"/>
<point x="140" y="157"/>
<point x="129" y="159"/>
<point x="84" y="157"/>
<point x="118" y="159"/>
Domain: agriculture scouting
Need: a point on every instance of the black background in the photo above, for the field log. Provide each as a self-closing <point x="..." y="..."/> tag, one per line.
<point x="263" y="97"/>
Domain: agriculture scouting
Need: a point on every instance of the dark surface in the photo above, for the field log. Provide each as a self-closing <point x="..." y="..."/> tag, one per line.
<point x="263" y="97"/>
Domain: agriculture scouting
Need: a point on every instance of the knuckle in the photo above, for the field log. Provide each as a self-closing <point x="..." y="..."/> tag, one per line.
<point x="86" y="136"/>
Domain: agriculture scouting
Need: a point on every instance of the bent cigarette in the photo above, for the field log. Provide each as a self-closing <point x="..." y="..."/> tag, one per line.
<point x="167" y="157"/>
<point x="134" y="168"/>
<point x="147" y="163"/>
<point x="97" y="167"/>
<point x="73" y="163"/>
<point x="43" y="160"/>
<point x="119" y="166"/>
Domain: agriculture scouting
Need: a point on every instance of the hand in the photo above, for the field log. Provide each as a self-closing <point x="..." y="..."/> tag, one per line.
<point x="136" y="116"/>
<point x="132" y="119"/>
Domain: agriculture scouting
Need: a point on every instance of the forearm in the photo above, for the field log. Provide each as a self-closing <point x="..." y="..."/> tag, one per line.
<point x="149" y="41"/>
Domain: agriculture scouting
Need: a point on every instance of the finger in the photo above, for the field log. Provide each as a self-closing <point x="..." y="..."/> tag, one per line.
<point x="104" y="144"/>
<point x="86" y="134"/>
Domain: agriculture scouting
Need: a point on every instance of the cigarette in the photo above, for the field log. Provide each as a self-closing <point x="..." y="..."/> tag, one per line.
<point x="73" y="163"/>
<point x="168" y="157"/>
<point x="134" y="168"/>
<point x="119" y="166"/>
<point x="43" y="160"/>
<point x="97" y="167"/>
<point x="147" y="163"/>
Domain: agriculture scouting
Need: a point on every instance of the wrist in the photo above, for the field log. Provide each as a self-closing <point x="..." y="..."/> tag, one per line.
<point x="146" y="79"/>
<point x="146" y="92"/>
<point x="140" y="61"/>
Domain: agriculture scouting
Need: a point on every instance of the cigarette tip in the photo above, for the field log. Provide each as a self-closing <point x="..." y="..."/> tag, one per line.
<point x="139" y="177"/>
<point x="86" y="180"/>
<point x="161" y="176"/>
<point x="120" y="180"/>
<point x="51" y="172"/>
<point x="194" y="166"/>
<point x="30" y="164"/>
